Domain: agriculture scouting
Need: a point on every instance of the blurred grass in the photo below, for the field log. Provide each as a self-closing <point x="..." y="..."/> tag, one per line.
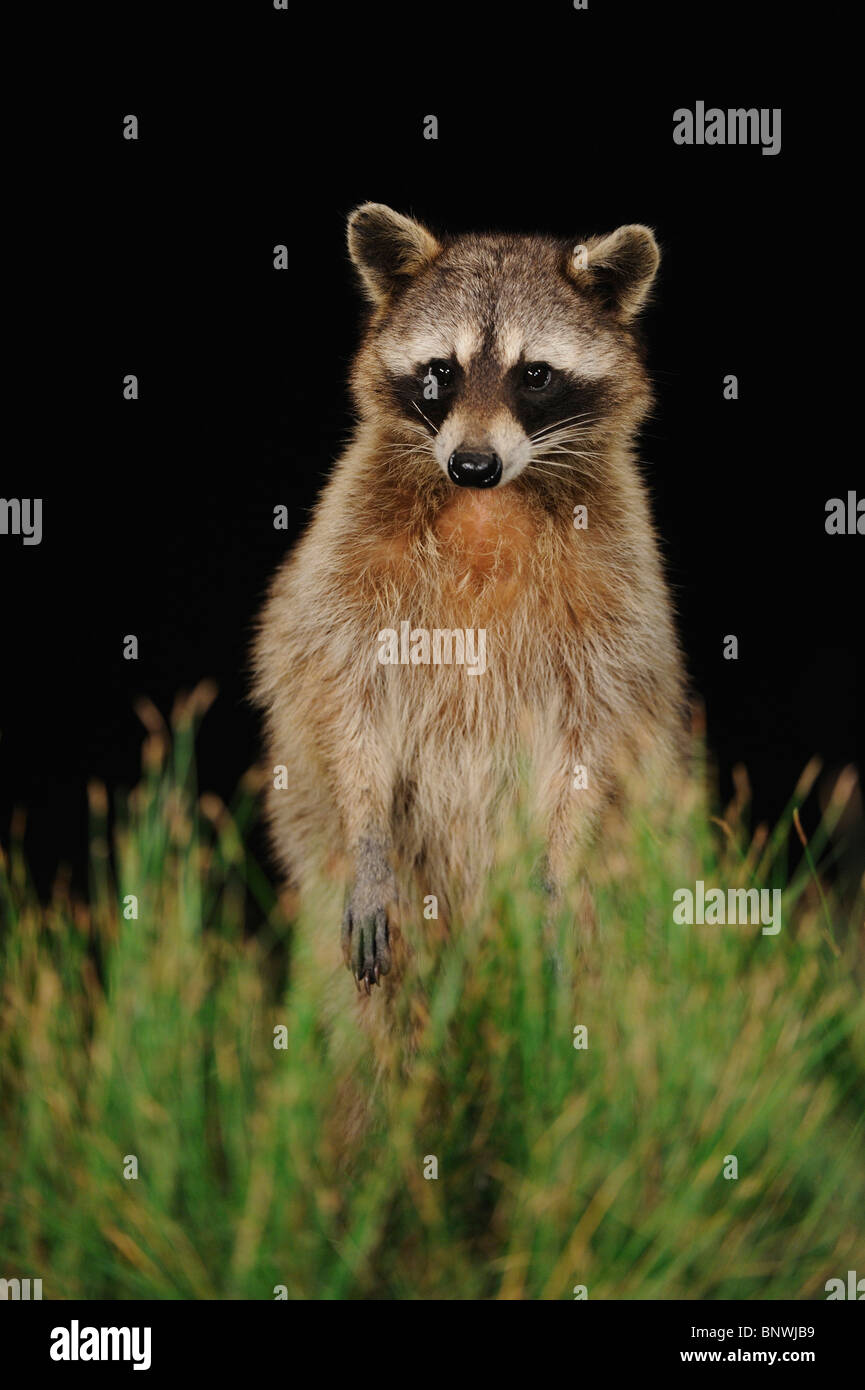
<point x="602" y="1166"/>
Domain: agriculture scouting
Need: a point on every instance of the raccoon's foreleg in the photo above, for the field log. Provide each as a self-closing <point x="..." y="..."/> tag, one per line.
<point x="575" y="804"/>
<point x="365" y="922"/>
<point x="365" y="795"/>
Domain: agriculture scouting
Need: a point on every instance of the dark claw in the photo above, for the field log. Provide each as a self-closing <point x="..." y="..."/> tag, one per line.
<point x="366" y="947"/>
<point x="382" y="943"/>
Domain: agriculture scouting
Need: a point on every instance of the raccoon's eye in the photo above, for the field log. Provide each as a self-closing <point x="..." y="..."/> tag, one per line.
<point x="442" y="373"/>
<point x="537" y="375"/>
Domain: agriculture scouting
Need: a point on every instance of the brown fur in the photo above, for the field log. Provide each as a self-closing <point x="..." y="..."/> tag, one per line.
<point x="400" y="775"/>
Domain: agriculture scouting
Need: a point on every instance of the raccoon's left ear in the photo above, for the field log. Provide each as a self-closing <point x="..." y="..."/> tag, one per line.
<point x="387" y="248"/>
<point x="619" y="268"/>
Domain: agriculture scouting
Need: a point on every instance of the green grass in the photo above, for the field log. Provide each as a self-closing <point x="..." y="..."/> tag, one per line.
<point x="556" y="1166"/>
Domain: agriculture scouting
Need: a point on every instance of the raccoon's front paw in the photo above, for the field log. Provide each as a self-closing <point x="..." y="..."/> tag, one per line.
<point x="366" y="942"/>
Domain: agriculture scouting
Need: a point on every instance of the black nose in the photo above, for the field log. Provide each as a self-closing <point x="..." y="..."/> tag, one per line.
<point x="475" y="470"/>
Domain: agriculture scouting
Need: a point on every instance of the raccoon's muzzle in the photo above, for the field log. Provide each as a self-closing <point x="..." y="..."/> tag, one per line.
<point x="474" y="469"/>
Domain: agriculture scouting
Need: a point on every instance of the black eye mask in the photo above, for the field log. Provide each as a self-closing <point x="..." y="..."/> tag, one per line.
<point x="565" y="397"/>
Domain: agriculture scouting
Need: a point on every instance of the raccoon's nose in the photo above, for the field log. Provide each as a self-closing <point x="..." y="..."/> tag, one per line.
<point x="474" y="470"/>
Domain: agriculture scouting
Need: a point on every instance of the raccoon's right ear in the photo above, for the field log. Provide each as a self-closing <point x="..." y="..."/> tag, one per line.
<point x="387" y="248"/>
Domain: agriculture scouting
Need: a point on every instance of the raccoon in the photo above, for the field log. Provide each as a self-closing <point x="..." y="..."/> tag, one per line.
<point x="490" y="488"/>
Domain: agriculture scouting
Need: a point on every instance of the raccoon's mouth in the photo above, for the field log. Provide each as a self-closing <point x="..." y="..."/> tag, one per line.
<point x="474" y="469"/>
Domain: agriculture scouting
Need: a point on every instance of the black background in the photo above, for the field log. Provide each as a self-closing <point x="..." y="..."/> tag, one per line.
<point x="262" y="127"/>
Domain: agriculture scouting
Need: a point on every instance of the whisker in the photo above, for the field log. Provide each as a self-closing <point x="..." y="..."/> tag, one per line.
<point x="567" y="444"/>
<point x="569" y="419"/>
<point x="568" y="458"/>
<point x="570" y="464"/>
<point x="566" y="452"/>
<point x="407" y="452"/>
<point x="420" y="412"/>
<point x="566" y="431"/>
<point x="535" y="468"/>
<point x="562" y="443"/>
<point x="566" y="420"/>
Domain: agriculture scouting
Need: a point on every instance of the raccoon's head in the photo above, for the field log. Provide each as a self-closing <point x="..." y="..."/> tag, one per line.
<point x="501" y="356"/>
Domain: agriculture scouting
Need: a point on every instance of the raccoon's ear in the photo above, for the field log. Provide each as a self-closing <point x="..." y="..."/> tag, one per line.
<point x="619" y="268"/>
<point x="387" y="248"/>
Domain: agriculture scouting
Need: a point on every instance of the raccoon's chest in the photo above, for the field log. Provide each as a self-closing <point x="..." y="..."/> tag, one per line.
<point x="484" y="538"/>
